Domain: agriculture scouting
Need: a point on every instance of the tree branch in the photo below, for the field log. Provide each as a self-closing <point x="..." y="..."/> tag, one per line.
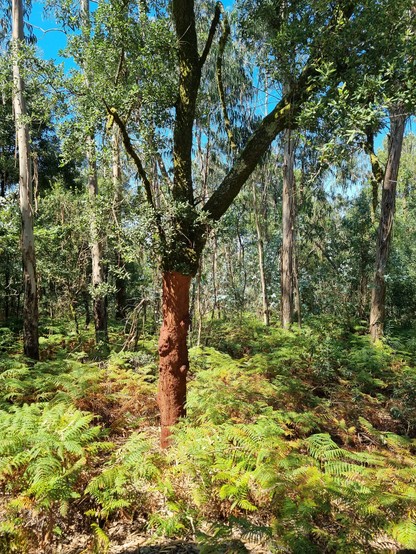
<point x="226" y="31"/>
<point x="120" y="66"/>
<point x="218" y="9"/>
<point x="44" y="31"/>
<point x="189" y="80"/>
<point x="274" y="123"/>
<point x="112" y="112"/>
<point x="259" y="142"/>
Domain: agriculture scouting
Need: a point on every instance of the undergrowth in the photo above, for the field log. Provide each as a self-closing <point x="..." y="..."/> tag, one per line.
<point x="303" y="440"/>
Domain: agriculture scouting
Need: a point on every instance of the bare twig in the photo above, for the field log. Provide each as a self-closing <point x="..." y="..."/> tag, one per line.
<point x="218" y="9"/>
<point x="44" y="31"/>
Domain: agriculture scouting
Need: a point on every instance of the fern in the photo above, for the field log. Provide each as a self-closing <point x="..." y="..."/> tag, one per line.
<point x="101" y="540"/>
<point x="405" y="533"/>
<point x="124" y="478"/>
<point x="43" y="451"/>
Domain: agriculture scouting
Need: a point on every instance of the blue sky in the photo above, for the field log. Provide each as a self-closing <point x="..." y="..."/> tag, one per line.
<point x="51" y="42"/>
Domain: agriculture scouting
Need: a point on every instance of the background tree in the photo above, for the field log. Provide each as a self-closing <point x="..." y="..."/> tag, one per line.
<point x="30" y="308"/>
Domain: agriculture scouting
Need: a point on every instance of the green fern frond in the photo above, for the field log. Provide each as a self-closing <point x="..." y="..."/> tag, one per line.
<point x="101" y="539"/>
<point x="405" y="533"/>
<point x="323" y="448"/>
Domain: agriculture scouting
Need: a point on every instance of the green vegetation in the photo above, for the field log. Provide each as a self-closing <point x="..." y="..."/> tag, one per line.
<point x="240" y="179"/>
<point x="302" y="439"/>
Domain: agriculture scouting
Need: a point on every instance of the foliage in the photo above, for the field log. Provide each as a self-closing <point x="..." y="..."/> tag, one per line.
<point x="122" y="481"/>
<point x="44" y="451"/>
<point x="303" y="443"/>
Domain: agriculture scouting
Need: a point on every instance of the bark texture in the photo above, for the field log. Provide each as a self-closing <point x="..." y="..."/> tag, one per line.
<point x="260" y="250"/>
<point x="96" y="244"/>
<point x="30" y="306"/>
<point x="97" y="270"/>
<point x="118" y="186"/>
<point x="385" y="229"/>
<point x="288" y="266"/>
<point x="173" y="351"/>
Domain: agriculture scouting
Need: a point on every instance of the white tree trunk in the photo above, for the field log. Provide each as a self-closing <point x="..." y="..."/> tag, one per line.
<point x="260" y="250"/>
<point x="30" y="306"/>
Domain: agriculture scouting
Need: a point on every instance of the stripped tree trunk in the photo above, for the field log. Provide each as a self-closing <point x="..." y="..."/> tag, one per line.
<point x="173" y="351"/>
<point x="385" y="229"/>
<point x="184" y="239"/>
<point x="30" y="307"/>
<point x="96" y="245"/>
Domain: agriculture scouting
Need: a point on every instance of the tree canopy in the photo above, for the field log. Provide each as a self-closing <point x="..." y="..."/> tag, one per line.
<point x="213" y="333"/>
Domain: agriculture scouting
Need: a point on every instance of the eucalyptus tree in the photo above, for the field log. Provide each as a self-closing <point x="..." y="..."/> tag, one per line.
<point x="388" y="181"/>
<point x="30" y="308"/>
<point x="380" y="89"/>
<point x="400" y="102"/>
<point x="96" y="241"/>
<point x="288" y="253"/>
<point x="281" y="50"/>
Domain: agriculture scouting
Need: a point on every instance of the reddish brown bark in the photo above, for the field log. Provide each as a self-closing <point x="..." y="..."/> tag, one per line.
<point x="173" y="351"/>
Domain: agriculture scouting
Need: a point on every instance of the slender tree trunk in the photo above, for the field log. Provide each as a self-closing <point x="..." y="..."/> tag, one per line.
<point x="117" y="184"/>
<point x="215" y="305"/>
<point x="297" y="300"/>
<point x="199" y="302"/>
<point x="7" y="291"/>
<point x="173" y="351"/>
<point x="288" y="267"/>
<point x="30" y="306"/>
<point x="260" y="249"/>
<point x="385" y="229"/>
<point x="97" y="270"/>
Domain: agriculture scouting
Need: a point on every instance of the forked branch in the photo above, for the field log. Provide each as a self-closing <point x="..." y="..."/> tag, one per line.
<point x="112" y="112"/>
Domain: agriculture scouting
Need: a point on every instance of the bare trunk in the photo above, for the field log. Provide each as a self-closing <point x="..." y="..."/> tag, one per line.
<point x="215" y="305"/>
<point x="96" y="245"/>
<point x="297" y="302"/>
<point x="173" y="351"/>
<point x="199" y="302"/>
<point x="288" y="279"/>
<point x="30" y="307"/>
<point x="385" y="229"/>
<point x="117" y="184"/>
<point x="260" y="249"/>
<point x="97" y="270"/>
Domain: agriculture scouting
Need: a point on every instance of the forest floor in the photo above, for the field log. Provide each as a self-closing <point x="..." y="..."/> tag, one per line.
<point x="296" y="441"/>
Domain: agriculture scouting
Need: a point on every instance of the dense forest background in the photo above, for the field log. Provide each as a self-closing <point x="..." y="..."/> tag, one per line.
<point x="208" y="278"/>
